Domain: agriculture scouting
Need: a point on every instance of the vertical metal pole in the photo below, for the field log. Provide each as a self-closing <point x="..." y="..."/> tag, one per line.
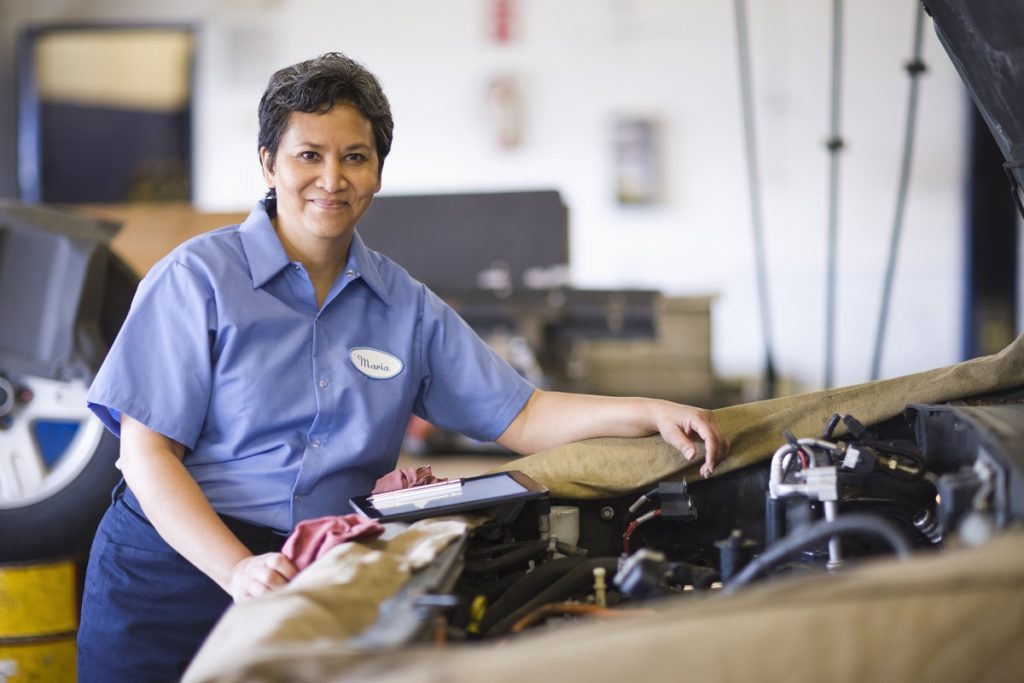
<point x="746" y="93"/>
<point x="915" y="68"/>
<point x="834" y="144"/>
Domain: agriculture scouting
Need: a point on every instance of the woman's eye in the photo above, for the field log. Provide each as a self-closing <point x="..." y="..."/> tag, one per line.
<point x="356" y="157"/>
<point x="309" y="156"/>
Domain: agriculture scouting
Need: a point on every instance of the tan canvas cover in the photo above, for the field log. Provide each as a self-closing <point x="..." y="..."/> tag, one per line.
<point x="601" y="468"/>
<point x="956" y="616"/>
<point x="951" y="618"/>
<point x="335" y="598"/>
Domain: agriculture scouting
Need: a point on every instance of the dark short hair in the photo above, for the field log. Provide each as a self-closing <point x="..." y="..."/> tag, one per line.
<point x="316" y="85"/>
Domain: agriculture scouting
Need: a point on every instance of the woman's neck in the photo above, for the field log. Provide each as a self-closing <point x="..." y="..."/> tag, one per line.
<point x="323" y="259"/>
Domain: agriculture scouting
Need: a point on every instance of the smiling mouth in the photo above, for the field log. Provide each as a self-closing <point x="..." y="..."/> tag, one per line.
<point x="328" y="204"/>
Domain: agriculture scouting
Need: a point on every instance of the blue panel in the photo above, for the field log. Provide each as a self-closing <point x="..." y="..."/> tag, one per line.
<point x="53" y="438"/>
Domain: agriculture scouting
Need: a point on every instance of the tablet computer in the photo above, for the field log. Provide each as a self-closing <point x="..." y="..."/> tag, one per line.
<point x="449" y="497"/>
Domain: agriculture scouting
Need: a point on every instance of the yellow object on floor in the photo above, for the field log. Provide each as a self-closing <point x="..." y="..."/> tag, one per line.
<point x="38" y="622"/>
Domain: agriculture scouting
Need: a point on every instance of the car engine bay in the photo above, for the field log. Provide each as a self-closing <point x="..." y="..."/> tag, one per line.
<point x="936" y="475"/>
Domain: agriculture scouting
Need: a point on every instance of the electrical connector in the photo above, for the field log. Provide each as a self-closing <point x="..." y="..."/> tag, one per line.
<point x="640" y="576"/>
<point x="674" y="501"/>
<point x="859" y="458"/>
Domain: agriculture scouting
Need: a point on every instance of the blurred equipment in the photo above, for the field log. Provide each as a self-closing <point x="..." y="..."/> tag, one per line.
<point x="465" y="242"/>
<point x="120" y="96"/>
<point x="501" y="261"/>
<point x="65" y="296"/>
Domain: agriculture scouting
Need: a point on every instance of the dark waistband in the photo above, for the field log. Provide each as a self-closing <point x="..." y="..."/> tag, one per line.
<point x="258" y="539"/>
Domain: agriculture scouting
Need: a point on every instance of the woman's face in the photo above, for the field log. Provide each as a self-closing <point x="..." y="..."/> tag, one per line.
<point x="325" y="174"/>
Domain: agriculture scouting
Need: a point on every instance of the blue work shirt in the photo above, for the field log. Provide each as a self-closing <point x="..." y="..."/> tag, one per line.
<point x="287" y="411"/>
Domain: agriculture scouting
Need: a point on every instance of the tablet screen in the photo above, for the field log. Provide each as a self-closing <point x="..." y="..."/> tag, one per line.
<point x="449" y="497"/>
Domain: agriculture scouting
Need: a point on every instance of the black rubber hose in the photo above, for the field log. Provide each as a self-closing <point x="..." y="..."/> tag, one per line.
<point x="511" y="558"/>
<point x="480" y="552"/>
<point x="576" y="579"/>
<point x="830" y="427"/>
<point x="871" y="525"/>
<point x="492" y="589"/>
<point x="529" y="585"/>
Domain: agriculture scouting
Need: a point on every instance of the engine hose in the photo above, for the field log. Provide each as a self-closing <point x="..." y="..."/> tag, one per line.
<point x="575" y="580"/>
<point x="530" y="584"/>
<point x="482" y="552"/>
<point x="872" y="525"/>
<point x="516" y="555"/>
<point x="493" y="588"/>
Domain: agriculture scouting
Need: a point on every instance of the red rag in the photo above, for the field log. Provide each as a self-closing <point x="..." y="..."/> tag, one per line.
<point x="406" y="477"/>
<point x="312" y="538"/>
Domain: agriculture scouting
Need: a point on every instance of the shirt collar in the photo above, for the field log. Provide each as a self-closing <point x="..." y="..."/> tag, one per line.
<point x="263" y="249"/>
<point x="267" y="256"/>
<point x="364" y="262"/>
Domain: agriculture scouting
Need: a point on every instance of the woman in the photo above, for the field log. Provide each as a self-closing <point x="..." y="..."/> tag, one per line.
<point x="265" y="374"/>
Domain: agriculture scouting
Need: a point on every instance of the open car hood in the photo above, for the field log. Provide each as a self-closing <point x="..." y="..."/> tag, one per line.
<point x="985" y="42"/>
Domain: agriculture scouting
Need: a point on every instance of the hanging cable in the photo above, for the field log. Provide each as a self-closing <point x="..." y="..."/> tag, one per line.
<point x="914" y="68"/>
<point x="635" y="524"/>
<point x="746" y="93"/>
<point x="834" y="145"/>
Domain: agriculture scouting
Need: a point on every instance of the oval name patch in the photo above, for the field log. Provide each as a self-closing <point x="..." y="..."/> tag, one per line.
<point x="375" y="363"/>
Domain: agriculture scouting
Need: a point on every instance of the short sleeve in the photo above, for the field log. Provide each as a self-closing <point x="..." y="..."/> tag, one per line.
<point x="468" y="387"/>
<point x="158" y="370"/>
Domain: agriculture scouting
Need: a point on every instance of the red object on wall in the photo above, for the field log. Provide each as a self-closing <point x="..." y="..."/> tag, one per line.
<point x="501" y="17"/>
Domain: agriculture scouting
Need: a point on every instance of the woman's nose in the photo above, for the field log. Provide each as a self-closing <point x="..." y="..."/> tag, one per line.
<point x="332" y="177"/>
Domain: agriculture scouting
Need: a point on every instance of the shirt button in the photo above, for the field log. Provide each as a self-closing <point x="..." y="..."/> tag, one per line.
<point x="350" y="273"/>
<point x="297" y="499"/>
<point x="316" y="443"/>
<point x="324" y="383"/>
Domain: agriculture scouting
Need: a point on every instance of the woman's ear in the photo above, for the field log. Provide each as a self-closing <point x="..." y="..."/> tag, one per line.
<point x="267" y="161"/>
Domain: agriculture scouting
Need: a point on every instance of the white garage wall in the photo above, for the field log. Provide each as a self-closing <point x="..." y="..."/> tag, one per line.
<point x="583" y="62"/>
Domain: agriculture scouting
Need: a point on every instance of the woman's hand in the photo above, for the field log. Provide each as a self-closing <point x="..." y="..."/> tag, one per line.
<point x="678" y="424"/>
<point x="259" y="574"/>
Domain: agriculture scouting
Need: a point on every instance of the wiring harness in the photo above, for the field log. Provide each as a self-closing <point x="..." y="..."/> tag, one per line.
<point x="671" y="502"/>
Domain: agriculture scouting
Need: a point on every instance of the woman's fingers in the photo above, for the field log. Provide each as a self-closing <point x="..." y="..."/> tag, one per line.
<point x="260" y="574"/>
<point x="680" y="423"/>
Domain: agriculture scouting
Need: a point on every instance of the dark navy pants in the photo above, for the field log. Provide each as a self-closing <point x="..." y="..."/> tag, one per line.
<point x="145" y="608"/>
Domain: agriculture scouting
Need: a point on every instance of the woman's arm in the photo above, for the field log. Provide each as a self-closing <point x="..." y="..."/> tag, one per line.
<point x="175" y="505"/>
<point x="552" y="418"/>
